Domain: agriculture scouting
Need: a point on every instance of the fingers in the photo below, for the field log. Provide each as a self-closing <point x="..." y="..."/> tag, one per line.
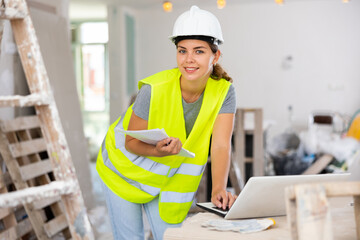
<point x="169" y="146"/>
<point x="220" y="199"/>
<point x="232" y="199"/>
<point x="216" y="200"/>
<point x="223" y="199"/>
<point x="174" y="145"/>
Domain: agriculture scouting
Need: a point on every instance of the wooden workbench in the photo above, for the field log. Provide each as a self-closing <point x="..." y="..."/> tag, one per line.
<point x="343" y="222"/>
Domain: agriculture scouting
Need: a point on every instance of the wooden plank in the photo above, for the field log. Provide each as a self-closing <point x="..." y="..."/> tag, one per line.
<point x="239" y="144"/>
<point x="24" y="101"/>
<point x="258" y="144"/>
<point x="46" y="202"/>
<point x="23" y="227"/>
<point x="9" y="234"/>
<point x="11" y="164"/>
<point x="6" y="215"/>
<point x="357" y="215"/>
<point x="55" y="225"/>
<point x="333" y="189"/>
<point x="240" y="132"/>
<point x="36" y="169"/>
<point x="29" y="195"/>
<point x="312" y="212"/>
<point x="4" y="212"/>
<point x="20" y="123"/>
<point x="27" y="147"/>
<point x="16" y="232"/>
<point x="319" y="165"/>
<point x="5" y="180"/>
<point x="11" y="13"/>
<point x="234" y="175"/>
<point x="290" y="204"/>
<point x="38" y="205"/>
<point x="14" y="171"/>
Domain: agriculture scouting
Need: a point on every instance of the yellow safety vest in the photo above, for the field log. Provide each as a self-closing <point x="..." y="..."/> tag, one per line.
<point x="140" y="179"/>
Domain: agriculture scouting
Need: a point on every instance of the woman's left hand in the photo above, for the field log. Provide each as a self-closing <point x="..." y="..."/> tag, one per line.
<point x="222" y="198"/>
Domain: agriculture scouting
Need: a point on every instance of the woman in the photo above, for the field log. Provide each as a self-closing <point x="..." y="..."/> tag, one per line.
<point x="193" y="103"/>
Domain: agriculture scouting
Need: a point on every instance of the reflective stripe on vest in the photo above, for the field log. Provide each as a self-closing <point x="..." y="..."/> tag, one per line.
<point x="177" y="197"/>
<point x="146" y="188"/>
<point x="152" y="166"/>
<point x="187" y="169"/>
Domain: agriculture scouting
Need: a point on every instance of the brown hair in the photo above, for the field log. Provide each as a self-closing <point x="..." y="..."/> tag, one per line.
<point x="218" y="72"/>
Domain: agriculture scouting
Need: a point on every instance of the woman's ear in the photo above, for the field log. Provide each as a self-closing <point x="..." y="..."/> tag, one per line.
<point x="217" y="56"/>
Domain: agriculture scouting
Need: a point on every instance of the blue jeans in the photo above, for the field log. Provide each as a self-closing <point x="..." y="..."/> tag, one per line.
<point x="127" y="218"/>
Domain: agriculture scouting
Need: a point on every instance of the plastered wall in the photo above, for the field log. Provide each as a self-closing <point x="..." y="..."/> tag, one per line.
<point x="321" y="37"/>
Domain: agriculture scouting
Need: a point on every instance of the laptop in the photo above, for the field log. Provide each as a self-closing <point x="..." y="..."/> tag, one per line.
<point x="265" y="196"/>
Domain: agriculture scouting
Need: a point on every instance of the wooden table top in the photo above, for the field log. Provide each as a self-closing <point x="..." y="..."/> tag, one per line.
<point x="342" y="213"/>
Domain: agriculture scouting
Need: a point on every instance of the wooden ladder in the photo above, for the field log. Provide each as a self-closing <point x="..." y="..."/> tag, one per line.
<point x="240" y="132"/>
<point x="39" y="171"/>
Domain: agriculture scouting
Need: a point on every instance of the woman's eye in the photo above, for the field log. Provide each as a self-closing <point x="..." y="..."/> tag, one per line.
<point x="199" y="51"/>
<point x="181" y="51"/>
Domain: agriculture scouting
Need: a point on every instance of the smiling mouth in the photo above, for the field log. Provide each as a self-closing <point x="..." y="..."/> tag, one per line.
<point x="191" y="69"/>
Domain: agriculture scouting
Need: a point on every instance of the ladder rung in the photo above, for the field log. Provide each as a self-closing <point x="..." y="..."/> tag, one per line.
<point x="5" y="180"/>
<point x="11" y="13"/>
<point x="36" y="169"/>
<point x="17" y="231"/>
<point x="45" y="202"/>
<point x="55" y="225"/>
<point x="20" y="123"/>
<point x="27" y="147"/>
<point x="24" y="101"/>
<point x="29" y="195"/>
<point x="4" y="212"/>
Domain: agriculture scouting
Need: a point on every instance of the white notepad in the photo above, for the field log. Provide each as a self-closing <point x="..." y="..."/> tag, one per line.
<point x="153" y="136"/>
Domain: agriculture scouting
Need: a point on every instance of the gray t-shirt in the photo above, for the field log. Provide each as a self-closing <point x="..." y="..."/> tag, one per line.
<point x="191" y="110"/>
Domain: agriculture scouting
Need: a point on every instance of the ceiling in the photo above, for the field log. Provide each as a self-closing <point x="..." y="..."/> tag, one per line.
<point x="144" y="3"/>
<point x="96" y="9"/>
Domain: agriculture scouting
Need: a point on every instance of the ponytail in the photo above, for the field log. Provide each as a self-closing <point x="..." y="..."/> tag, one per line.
<point x="219" y="73"/>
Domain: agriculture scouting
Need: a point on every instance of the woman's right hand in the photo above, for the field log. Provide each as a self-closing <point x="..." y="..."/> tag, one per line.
<point x="168" y="146"/>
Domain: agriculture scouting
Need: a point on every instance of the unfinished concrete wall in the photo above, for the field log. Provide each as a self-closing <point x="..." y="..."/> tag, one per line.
<point x="52" y="29"/>
<point x="117" y="64"/>
<point x="118" y="59"/>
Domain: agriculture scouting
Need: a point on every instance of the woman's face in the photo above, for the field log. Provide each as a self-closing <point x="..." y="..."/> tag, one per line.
<point x="195" y="59"/>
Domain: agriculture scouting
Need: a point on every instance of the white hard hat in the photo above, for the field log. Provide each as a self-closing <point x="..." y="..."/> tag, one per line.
<point x="197" y="22"/>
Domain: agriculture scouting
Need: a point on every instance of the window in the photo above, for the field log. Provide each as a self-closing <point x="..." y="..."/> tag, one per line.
<point x="89" y="44"/>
